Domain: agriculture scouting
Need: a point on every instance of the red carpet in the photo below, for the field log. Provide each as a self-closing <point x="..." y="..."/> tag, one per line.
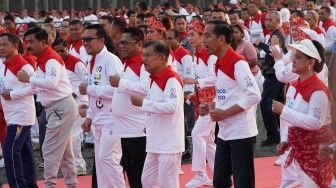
<point x="267" y="175"/>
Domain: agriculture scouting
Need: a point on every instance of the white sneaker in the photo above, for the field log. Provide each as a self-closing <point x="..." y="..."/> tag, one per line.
<point x="2" y="163"/>
<point x="278" y="161"/>
<point x="197" y="181"/>
<point x="209" y="183"/>
<point x="289" y="183"/>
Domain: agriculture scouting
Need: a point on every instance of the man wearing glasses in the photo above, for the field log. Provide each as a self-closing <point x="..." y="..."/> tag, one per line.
<point x="107" y="145"/>
<point x="130" y="120"/>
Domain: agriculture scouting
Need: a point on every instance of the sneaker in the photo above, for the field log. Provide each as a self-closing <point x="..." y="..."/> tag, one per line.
<point x="197" y="181"/>
<point x="278" y="162"/>
<point x="41" y="165"/>
<point x="2" y="163"/>
<point x="209" y="183"/>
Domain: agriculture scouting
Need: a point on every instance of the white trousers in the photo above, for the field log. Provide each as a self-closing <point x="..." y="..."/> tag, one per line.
<point x="305" y="180"/>
<point x="77" y="138"/>
<point x="161" y="170"/>
<point x="108" y="155"/>
<point x="204" y="148"/>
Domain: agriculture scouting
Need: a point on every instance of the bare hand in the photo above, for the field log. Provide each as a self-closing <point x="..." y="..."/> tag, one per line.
<point x="6" y="95"/>
<point x="274" y="40"/>
<point x="189" y="81"/>
<point x="136" y="100"/>
<point x="82" y="108"/>
<point x="276" y="53"/>
<point x="114" y="80"/>
<point x="204" y="109"/>
<point x="23" y="76"/>
<point x="82" y="88"/>
<point x="87" y="125"/>
<point x="257" y="41"/>
<point x="282" y="147"/>
<point x="325" y="150"/>
<point x="218" y="114"/>
<point x="277" y="107"/>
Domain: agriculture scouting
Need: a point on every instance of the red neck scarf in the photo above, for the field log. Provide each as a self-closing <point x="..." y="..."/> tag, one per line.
<point x="309" y="86"/>
<point x="134" y="64"/>
<point x="15" y="64"/>
<point x="92" y="62"/>
<point x="163" y="76"/>
<point x="226" y="64"/>
<point x="203" y="55"/>
<point x="180" y="52"/>
<point x="77" y="45"/>
<point x="318" y="30"/>
<point x="328" y="24"/>
<point x="70" y="62"/>
<point x="45" y="56"/>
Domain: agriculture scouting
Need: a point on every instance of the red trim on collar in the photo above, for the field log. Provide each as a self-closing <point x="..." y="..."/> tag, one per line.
<point x="70" y="62"/>
<point x="163" y="76"/>
<point x="92" y="62"/>
<point x="226" y="64"/>
<point x="180" y="52"/>
<point x="48" y="54"/>
<point x="328" y="24"/>
<point x="134" y="64"/>
<point x="77" y="45"/>
<point x="15" y="64"/>
<point x="203" y="55"/>
<point x="309" y="86"/>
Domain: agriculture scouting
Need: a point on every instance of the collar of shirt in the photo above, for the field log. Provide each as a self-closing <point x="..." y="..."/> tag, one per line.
<point x="226" y="63"/>
<point x="203" y="55"/>
<point x="47" y="54"/>
<point x="77" y="45"/>
<point x="180" y="52"/>
<point x="14" y="64"/>
<point x="309" y="86"/>
<point x="134" y="63"/>
<point x="328" y="24"/>
<point x="163" y="76"/>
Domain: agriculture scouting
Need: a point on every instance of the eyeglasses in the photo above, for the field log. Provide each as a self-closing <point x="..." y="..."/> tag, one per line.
<point x="89" y="39"/>
<point x="126" y="43"/>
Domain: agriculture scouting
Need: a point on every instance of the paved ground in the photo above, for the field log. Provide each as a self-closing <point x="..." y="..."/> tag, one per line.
<point x="88" y="152"/>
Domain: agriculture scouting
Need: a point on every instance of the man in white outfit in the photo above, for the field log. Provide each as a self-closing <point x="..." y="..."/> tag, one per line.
<point x="107" y="145"/>
<point x="165" y="120"/>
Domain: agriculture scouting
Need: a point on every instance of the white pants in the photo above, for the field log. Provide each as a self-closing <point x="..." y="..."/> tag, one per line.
<point x="288" y="174"/>
<point x="161" y="170"/>
<point x="77" y="138"/>
<point x="305" y="180"/>
<point x="204" y="148"/>
<point x="108" y="155"/>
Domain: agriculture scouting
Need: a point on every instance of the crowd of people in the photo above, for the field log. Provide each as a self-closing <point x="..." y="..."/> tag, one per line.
<point x="135" y="83"/>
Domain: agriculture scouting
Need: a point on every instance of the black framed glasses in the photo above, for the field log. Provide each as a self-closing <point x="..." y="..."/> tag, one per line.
<point x="126" y="43"/>
<point x="89" y="39"/>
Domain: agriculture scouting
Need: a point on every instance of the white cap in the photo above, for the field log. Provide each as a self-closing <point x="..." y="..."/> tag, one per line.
<point x="312" y="34"/>
<point x="307" y="47"/>
<point x="233" y="2"/>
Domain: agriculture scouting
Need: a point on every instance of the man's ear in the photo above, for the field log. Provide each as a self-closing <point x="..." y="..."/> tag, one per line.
<point x="222" y="38"/>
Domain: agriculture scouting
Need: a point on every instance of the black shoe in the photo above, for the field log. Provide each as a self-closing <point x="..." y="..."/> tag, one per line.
<point x="270" y="142"/>
<point x="89" y="145"/>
